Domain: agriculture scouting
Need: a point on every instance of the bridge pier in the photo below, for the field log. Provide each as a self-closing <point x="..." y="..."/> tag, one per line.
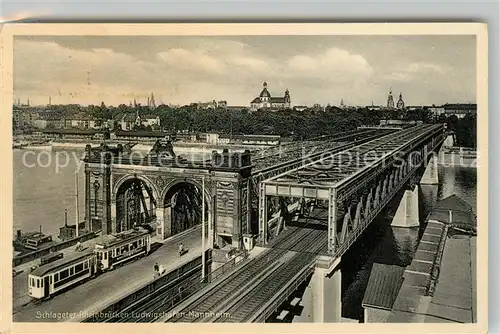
<point x="407" y="212"/>
<point x="431" y="172"/>
<point x="113" y="216"/>
<point x="322" y="299"/>
<point x="164" y="221"/>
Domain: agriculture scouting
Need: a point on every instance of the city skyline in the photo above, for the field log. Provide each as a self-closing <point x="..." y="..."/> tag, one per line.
<point x="181" y="70"/>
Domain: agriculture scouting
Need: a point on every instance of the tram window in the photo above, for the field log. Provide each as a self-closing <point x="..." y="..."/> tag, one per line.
<point x="56" y="277"/>
<point x="118" y="251"/>
<point x="50" y="279"/>
<point x="71" y="271"/>
<point x="140" y="242"/>
<point x="41" y="282"/>
<point x="135" y="243"/>
<point x="78" y="268"/>
<point x="37" y="283"/>
<point x="63" y="274"/>
<point x="32" y="282"/>
<point x="105" y="255"/>
<point x="85" y="265"/>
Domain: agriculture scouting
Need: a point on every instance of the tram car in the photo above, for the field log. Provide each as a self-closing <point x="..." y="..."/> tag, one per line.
<point x="116" y="249"/>
<point x="50" y="278"/>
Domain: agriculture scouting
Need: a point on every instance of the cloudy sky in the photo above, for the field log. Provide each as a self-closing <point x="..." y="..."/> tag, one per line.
<point x="181" y="70"/>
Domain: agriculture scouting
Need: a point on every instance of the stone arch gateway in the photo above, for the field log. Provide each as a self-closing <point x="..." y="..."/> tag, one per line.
<point x="160" y="190"/>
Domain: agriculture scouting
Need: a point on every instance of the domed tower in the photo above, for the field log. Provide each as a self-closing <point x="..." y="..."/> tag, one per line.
<point x="390" y="100"/>
<point x="265" y="95"/>
<point x="401" y="103"/>
<point x="287" y="99"/>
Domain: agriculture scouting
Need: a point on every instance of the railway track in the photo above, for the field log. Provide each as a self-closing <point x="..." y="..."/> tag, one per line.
<point x="246" y="307"/>
<point x="243" y="278"/>
<point x="156" y="306"/>
<point x="265" y="168"/>
<point x="312" y="142"/>
<point x="144" y="311"/>
<point x="267" y="273"/>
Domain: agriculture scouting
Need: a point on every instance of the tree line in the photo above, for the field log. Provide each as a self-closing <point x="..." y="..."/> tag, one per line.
<point x="287" y="123"/>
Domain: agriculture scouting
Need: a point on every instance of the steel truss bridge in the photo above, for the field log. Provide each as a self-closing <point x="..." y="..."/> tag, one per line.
<point x="280" y="159"/>
<point x="344" y="191"/>
<point x="354" y="185"/>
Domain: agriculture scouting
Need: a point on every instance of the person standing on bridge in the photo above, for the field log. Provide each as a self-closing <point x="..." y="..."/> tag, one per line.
<point x="156" y="269"/>
<point x="181" y="249"/>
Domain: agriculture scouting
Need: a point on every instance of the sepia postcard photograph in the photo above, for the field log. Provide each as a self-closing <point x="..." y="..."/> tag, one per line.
<point x="299" y="175"/>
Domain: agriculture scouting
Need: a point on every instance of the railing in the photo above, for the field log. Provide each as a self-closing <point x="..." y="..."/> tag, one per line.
<point x="227" y="267"/>
<point x="189" y="290"/>
<point x="271" y="306"/>
<point x="375" y="211"/>
<point x="161" y="285"/>
<point x="54" y="248"/>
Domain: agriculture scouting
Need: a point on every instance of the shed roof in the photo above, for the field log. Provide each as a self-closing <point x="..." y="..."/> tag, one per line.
<point x="383" y="286"/>
<point x="462" y="211"/>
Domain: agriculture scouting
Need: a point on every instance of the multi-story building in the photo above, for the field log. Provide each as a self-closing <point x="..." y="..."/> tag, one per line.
<point x="129" y="121"/>
<point x="24" y="117"/>
<point x="265" y="100"/>
<point x="459" y="109"/>
<point x="49" y="119"/>
<point x="81" y="120"/>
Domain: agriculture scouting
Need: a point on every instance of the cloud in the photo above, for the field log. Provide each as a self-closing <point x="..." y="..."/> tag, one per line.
<point x="191" y="69"/>
<point x="48" y="69"/>
<point x="197" y="70"/>
<point x="417" y="71"/>
<point x="422" y="67"/>
<point x="191" y="60"/>
<point x="331" y="62"/>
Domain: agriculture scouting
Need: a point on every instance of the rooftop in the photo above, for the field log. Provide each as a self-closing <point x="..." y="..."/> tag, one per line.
<point x="383" y="286"/>
<point x="45" y="269"/>
<point x="112" y="239"/>
<point x="462" y="211"/>
<point x="440" y="283"/>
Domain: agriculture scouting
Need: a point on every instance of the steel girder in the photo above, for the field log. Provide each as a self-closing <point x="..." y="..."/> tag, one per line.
<point x="358" y="193"/>
<point x="291" y="151"/>
<point x="324" y="147"/>
<point x="340" y="166"/>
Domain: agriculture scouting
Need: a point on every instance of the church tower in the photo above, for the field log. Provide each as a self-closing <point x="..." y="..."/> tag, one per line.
<point x="390" y="100"/>
<point x="401" y="103"/>
<point x="287" y="99"/>
<point x="265" y="95"/>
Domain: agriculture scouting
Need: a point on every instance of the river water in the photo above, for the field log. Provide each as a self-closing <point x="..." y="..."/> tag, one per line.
<point x="382" y="243"/>
<point x="44" y="188"/>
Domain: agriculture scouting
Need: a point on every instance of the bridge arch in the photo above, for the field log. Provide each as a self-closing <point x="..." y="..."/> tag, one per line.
<point x="146" y="180"/>
<point x="134" y="202"/>
<point x="182" y="202"/>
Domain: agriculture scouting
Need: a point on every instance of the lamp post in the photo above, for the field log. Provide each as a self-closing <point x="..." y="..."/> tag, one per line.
<point x="203" y="229"/>
<point x="77" y="210"/>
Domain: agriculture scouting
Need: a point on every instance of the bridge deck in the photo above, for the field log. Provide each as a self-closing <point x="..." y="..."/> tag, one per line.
<point x="242" y="294"/>
<point x="290" y="151"/>
<point x="340" y="168"/>
<point x="279" y="157"/>
<point x="96" y="294"/>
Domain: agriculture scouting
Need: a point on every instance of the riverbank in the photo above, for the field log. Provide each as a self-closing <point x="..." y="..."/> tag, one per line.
<point x="458" y="157"/>
<point x="181" y="147"/>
